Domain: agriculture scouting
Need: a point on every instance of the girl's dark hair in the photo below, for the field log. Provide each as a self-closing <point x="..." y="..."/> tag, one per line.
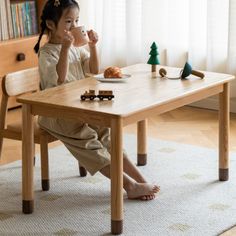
<point x="53" y="12"/>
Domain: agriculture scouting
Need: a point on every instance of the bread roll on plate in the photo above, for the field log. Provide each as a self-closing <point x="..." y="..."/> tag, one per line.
<point x="113" y="72"/>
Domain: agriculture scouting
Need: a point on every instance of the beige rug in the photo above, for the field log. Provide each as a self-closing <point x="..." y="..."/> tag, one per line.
<point x="192" y="202"/>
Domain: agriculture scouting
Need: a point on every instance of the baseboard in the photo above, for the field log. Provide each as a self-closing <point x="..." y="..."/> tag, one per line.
<point x="212" y="103"/>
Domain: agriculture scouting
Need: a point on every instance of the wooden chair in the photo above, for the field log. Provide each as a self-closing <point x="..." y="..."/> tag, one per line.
<point x="15" y="84"/>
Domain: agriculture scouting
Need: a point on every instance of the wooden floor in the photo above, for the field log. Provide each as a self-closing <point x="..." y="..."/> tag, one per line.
<point x="187" y="125"/>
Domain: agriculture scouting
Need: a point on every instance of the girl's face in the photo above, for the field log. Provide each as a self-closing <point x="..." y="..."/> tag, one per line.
<point x="68" y="20"/>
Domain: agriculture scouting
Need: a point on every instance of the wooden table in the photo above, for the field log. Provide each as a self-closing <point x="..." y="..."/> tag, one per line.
<point x="135" y="100"/>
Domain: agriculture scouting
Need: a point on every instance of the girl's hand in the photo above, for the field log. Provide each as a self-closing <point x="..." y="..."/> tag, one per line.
<point x="93" y="37"/>
<point x="67" y="39"/>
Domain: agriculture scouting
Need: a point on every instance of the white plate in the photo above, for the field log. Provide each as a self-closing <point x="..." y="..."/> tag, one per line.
<point x="102" y="79"/>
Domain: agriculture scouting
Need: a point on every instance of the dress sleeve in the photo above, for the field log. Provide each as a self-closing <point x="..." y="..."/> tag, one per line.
<point x="84" y="56"/>
<point x="47" y="70"/>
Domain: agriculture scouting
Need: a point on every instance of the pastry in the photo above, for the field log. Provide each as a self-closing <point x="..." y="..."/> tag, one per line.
<point x="113" y="72"/>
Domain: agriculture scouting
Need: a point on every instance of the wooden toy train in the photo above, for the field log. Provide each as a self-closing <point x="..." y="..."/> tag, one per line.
<point x="101" y="95"/>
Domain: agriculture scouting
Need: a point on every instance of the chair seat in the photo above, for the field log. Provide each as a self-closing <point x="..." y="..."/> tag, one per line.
<point x="16" y="128"/>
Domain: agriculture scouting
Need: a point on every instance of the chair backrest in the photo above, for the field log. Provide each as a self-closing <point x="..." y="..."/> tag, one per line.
<point x="20" y="82"/>
<point x="16" y="83"/>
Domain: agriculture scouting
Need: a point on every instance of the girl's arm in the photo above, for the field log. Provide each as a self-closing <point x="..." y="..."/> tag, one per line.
<point x="62" y="65"/>
<point x="93" y="61"/>
<point x="63" y="62"/>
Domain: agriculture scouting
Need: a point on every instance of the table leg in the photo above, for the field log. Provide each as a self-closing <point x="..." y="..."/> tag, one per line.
<point x="27" y="160"/>
<point x="224" y="133"/>
<point x="142" y="142"/>
<point x="116" y="177"/>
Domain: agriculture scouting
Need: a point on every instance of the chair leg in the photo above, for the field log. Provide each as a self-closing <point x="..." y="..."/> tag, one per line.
<point x="44" y="163"/>
<point x="82" y="170"/>
<point x="1" y="144"/>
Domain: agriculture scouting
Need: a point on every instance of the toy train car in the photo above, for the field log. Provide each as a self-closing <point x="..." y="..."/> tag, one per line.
<point x="108" y="94"/>
<point x="105" y="94"/>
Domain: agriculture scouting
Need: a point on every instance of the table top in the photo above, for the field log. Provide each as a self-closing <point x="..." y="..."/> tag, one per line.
<point x="139" y="92"/>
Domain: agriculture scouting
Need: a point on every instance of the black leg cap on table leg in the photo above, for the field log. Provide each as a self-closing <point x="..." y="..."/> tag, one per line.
<point x="27" y="206"/>
<point x="223" y="174"/>
<point x="45" y="184"/>
<point x="142" y="159"/>
<point x="116" y="227"/>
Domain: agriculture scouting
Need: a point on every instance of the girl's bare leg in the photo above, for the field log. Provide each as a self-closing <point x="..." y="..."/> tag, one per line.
<point x="131" y="170"/>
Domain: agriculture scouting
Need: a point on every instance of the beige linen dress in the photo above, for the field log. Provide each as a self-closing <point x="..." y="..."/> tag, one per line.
<point x="89" y="144"/>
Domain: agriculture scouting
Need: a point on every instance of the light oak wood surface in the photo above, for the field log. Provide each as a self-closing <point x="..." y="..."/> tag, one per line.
<point x="141" y="97"/>
<point x="144" y="92"/>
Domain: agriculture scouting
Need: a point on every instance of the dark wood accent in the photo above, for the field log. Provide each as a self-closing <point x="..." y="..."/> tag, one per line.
<point x="142" y="159"/>
<point x="20" y="57"/>
<point x="223" y="174"/>
<point x="27" y="206"/>
<point x="116" y="227"/>
<point x="83" y="171"/>
<point x="45" y="184"/>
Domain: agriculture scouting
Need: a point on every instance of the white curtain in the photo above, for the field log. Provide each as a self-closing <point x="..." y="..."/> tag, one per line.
<point x="202" y="32"/>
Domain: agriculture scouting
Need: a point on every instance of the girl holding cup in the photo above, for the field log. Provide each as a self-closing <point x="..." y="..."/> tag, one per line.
<point x="62" y="60"/>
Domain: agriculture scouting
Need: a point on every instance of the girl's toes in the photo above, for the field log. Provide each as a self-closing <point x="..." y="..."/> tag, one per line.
<point x="147" y="197"/>
<point x="151" y="197"/>
<point x="156" y="188"/>
<point x="144" y="198"/>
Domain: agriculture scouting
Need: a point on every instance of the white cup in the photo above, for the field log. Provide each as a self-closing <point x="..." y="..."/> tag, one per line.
<point x="80" y="36"/>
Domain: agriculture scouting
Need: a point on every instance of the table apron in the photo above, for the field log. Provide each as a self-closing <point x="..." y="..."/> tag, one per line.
<point x="171" y="105"/>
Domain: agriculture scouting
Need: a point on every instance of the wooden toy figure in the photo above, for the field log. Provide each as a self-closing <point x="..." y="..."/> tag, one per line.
<point x="153" y="60"/>
<point x="88" y="94"/>
<point x="101" y="95"/>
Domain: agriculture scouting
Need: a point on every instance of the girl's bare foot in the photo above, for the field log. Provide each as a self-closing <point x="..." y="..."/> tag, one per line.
<point x="142" y="191"/>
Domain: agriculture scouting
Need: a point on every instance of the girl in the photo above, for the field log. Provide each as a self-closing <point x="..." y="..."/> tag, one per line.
<point x="60" y="62"/>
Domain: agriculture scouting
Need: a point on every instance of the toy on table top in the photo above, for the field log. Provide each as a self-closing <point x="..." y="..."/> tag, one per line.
<point x="188" y="70"/>
<point x="101" y="95"/>
<point x="153" y="60"/>
<point x="162" y="72"/>
<point x="185" y="72"/>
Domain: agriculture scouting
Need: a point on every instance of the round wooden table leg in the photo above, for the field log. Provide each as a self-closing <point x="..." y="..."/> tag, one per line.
<point x="116" y="171"/>
<point x="142" y="143"/>
<point x="224" y="133"/>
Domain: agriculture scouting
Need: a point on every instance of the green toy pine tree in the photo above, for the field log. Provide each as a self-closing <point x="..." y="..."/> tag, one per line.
<point x="153" y="60"/>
